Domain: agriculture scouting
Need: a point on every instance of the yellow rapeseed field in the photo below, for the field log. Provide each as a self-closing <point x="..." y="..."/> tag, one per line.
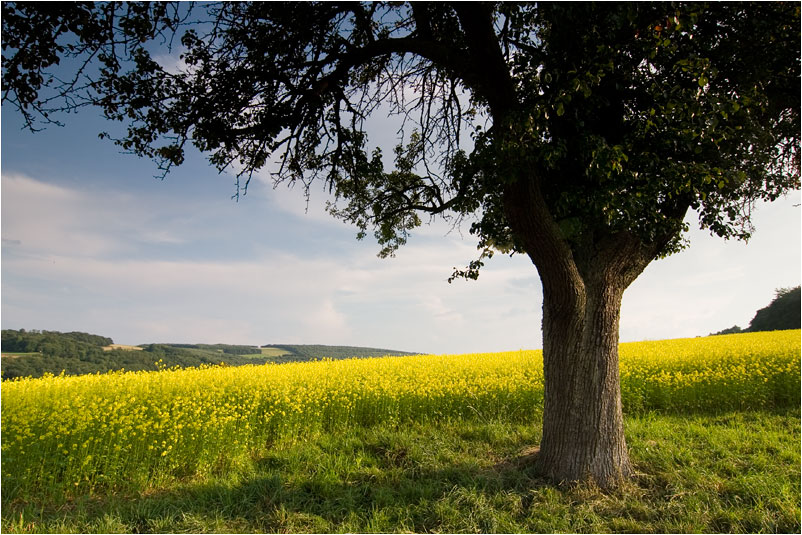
<point x="62" y="434"/>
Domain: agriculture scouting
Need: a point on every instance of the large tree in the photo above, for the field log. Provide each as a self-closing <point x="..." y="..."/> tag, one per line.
<point x="577" y="134"/>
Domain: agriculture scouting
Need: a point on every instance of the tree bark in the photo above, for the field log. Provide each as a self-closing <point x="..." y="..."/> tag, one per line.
<point x="583" y="429"/>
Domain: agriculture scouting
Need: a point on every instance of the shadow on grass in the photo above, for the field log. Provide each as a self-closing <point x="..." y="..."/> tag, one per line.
<point x="421" y="479"/>
<point x="733" y="472"/>
<point x="383" y="490"/>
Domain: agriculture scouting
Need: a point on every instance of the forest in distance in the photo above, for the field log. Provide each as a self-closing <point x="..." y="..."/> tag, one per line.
<point x="35" y="353"/>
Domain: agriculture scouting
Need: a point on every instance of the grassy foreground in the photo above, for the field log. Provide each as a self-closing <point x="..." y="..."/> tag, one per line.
<point x="731" y="472"/>
<point x="426" y="443"/>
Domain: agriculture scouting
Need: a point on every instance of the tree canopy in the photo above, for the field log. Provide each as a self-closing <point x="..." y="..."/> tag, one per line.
<point x="784" y="312"/>
<point x="629" y="114"/>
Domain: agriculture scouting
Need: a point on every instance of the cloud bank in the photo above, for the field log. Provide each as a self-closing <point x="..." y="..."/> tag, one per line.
<point x="141" y="268"/>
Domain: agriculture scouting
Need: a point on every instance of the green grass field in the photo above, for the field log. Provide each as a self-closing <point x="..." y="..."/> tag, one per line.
<point x="731" y="472"/>
<point x="422" y="444"/>
<point x="269" y="352"/>
<point x="273" y="352"/>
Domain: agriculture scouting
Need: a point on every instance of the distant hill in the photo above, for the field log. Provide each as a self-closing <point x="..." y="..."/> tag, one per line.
<point x="784" y="312"/>
<point x="227" y="349"/>
<point x="35" y="353"/>
<point x="296" y="353"/>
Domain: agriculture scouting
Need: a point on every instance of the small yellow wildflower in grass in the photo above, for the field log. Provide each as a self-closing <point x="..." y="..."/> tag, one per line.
<point x="136" y="428"/>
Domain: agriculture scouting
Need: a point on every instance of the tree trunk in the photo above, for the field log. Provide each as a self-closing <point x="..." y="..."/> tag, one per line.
<point x="583" y="428"/>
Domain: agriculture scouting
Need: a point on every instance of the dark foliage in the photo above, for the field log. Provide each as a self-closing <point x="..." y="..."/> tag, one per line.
<point x="52" y="343"/>
<point x="623" y="115"/>
<point x="221" y="348"/>
<point x="735" y="329"/>
<point x="318" y="352"/>
<point x="784" y="312"/>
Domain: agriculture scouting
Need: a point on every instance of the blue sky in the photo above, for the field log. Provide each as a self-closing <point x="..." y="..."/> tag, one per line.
<point x="93" y="242"/>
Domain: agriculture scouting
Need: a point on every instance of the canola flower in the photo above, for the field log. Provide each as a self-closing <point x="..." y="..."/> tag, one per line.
<point x="736" y="371"/>
<point x="137" y="429"/>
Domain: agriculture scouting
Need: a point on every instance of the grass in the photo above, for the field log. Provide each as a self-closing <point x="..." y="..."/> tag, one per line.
<point x="17" y="355"/>
<point x="270" y="352"/>
<point x="122" y="347"/>
<point x="273" y="352"/>
<point x="703" y="472"/>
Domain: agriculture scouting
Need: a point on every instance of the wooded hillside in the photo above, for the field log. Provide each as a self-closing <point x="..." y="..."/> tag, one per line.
<point x="35" y="353"/>
<point x="784" y="312"/>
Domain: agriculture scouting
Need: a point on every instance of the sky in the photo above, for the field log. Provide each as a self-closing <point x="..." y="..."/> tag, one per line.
<point x="92" y="242"/>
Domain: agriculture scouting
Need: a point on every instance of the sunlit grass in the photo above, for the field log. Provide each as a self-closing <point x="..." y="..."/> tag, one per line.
<point x="272" y="352"/>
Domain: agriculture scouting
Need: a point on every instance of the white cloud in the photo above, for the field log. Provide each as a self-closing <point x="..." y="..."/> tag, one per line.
<point x="172" y="62"/>
<point x="277" y="297"/>
<point x="324" y="323"/>
<point x="440" y="312"/>
<point x="292" y="202"/>
<point x="84" y="271"/>
<point x="43" y="218"/>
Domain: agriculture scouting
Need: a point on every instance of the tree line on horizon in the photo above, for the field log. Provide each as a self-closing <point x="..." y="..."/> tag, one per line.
<point x="34" y="353"/>
<point x="77" y="353"/>
<point x="784" y="312"/>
